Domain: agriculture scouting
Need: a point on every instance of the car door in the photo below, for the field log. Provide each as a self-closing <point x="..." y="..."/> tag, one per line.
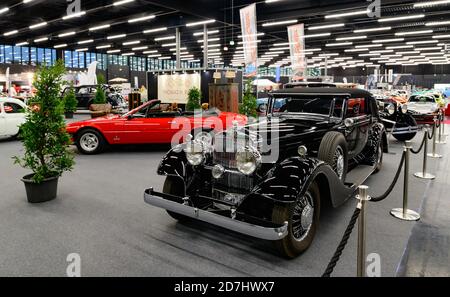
<point x="14" y="116"/>
<point x="162" y="123"/>
<point x="358" y="118"/>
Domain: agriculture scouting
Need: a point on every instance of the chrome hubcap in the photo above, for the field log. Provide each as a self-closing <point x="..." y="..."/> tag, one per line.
<point x="89" y="142"/>
<point x="339" y="162"/>
<point x="303" y="217"/>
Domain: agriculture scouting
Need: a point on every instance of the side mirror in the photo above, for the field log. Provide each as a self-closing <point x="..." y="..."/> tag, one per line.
<point x="262" y="108"/>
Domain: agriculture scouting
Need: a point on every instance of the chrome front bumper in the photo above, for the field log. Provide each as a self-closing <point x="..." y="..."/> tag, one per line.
<point x="153" y="198"/>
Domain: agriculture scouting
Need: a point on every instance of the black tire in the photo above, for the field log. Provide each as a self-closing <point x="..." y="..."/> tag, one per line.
<point x="409" y="121"/>
<point x="171" y="186"/>
<point x="334" y="143"/>
<point x="86" y="148"/>
<point x="379" y="157"/>
<point x="293" y="245"/>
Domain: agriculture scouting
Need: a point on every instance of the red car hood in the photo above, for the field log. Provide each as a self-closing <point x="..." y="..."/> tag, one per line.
<point x="99" y="120"/>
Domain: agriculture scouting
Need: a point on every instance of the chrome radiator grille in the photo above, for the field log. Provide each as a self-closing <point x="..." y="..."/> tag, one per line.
<point x="227" y="160"/>
<point x="234" y="183"/>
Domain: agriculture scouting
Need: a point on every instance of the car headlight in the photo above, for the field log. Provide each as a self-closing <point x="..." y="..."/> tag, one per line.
<point x="248" y="160"/>
<point x="390" y="109"/>
<point x="404" y="108"/>
<point x="194" y="152"/>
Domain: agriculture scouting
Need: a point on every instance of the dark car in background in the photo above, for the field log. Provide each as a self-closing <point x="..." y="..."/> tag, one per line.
<point x="85" y="95"/>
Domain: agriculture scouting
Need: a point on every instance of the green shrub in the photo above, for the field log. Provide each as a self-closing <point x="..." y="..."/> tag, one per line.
<point x="101" y="80"/>
<point x="100" y="97"/>
<point x="194" y="99"/>
<point x="45" y="140"/>
<point x="249" y="104"/>
<point x="70" y="100"/>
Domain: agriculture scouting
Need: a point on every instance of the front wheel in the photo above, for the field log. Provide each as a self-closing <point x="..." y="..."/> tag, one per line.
<point x="408" y="121"/>
<point x="90" y="142"/>
<point x="173" y="187"/>
<point x="303" y="219"/>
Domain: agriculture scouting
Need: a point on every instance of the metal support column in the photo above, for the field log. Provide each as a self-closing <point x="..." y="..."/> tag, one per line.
<point x="205" y="47"/>
<point x="178" y="41"/>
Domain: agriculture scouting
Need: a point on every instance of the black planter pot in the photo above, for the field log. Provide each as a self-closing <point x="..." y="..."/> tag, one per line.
<point x="69" y="115"/>
<point x="43" y="192"/>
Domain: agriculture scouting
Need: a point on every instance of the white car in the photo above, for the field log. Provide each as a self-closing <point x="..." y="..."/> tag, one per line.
<point x="12" y="115"/>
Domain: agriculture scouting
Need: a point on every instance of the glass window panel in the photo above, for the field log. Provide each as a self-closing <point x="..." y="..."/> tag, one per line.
<point x="25" y="55"/>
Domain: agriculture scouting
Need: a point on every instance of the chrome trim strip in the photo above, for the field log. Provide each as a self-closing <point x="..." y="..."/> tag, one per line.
<point x="218" y="220"/>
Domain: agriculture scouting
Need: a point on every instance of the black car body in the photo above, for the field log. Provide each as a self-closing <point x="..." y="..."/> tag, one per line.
<point x="237" y="182"/>
<point x="85" y="95"/>
<point x="397" y="119"/>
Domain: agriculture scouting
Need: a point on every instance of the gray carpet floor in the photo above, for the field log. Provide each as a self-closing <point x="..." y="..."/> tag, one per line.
<point x="100" y="214"/>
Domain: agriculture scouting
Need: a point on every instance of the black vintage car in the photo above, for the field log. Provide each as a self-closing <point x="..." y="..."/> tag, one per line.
<point x="269" y="179"/>
<point x="397" y="119"/>
<point x="85" y="95"/>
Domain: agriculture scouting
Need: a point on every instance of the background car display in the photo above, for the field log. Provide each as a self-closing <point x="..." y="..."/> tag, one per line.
<point x="12" y="115"/>
<point x="239" y="182"/>
<point x="85" y="95"/>
<point x="397" y="119"/>
<point x="153" y="122"/>
<point x="424" y="107"/>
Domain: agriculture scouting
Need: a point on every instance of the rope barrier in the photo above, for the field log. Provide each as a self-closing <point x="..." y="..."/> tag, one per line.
<point x="421" y="145"/>
<point x="337" y="255"/>
<point x="394" y="182"/>
<point x="431" y="135"/>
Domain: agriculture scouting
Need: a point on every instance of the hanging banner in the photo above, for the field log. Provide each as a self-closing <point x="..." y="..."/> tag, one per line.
<point x="250" y="39"/>
<point x="296" y="35"/>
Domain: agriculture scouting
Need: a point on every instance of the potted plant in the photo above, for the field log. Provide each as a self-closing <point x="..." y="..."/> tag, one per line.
<point x="194" y="99"/>
<point x="45" y="140"/>
<point x="100" y="107"/>
<point x="249" y="104"/>
<point x="70" y="103"/>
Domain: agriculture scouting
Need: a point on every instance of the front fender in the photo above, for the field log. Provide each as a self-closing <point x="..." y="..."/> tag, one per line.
<point x="176" y="165"/>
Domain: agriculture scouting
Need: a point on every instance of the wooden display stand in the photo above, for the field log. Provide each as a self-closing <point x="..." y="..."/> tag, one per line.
<point x="224" y="97"/>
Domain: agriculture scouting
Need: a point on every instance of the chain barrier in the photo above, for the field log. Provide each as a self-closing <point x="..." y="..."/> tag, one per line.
<point x="431" y="135"/>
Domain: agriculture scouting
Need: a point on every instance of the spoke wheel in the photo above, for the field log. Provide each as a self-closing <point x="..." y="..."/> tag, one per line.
<point x="303" y="219"/>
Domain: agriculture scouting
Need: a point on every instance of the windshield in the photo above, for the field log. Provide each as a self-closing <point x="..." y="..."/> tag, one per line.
<point x="312" y="104"/>
<point x="422" y="99"/>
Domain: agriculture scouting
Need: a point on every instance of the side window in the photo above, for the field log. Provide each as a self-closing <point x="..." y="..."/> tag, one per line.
<point x="12" y="108"/>
<point x="356" y="107"/>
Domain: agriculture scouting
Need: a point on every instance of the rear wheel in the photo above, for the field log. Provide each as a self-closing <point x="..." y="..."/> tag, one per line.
<point x="303" y="219"/>
<point x="172" y="186"/>
<point x="379" y="157"/>
<point x="333" y="151"/>
<point x="90" y="142"/>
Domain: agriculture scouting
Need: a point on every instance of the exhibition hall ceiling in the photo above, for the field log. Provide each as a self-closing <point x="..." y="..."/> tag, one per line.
<point x="344" y="32"/>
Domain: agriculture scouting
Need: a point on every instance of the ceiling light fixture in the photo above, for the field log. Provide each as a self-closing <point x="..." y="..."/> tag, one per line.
<point x="200" y="23"/>
<point x="142" y="19"/>
<point x="345" y="14"/>
<point x="271" y="24"/>
<point x="74" y="15"/>
<point x="402" y="18"/>
<point x="372" y="30"/>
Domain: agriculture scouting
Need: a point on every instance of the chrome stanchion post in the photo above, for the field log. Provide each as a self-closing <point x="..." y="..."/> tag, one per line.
<point x="434" y="154"/>
<point x="424" y="174"/>
<point x="441" y="140"/>
<point x="361" y="257"/>
<point x="405" y="213"/>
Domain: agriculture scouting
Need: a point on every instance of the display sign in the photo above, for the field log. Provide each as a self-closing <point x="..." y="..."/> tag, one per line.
<point x="250" y="39"/>
<point x="175" y="88"/>
<point x="296" y="35"/>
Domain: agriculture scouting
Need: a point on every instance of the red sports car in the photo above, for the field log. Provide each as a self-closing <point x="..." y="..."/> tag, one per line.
<point x="153" y="122"/>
